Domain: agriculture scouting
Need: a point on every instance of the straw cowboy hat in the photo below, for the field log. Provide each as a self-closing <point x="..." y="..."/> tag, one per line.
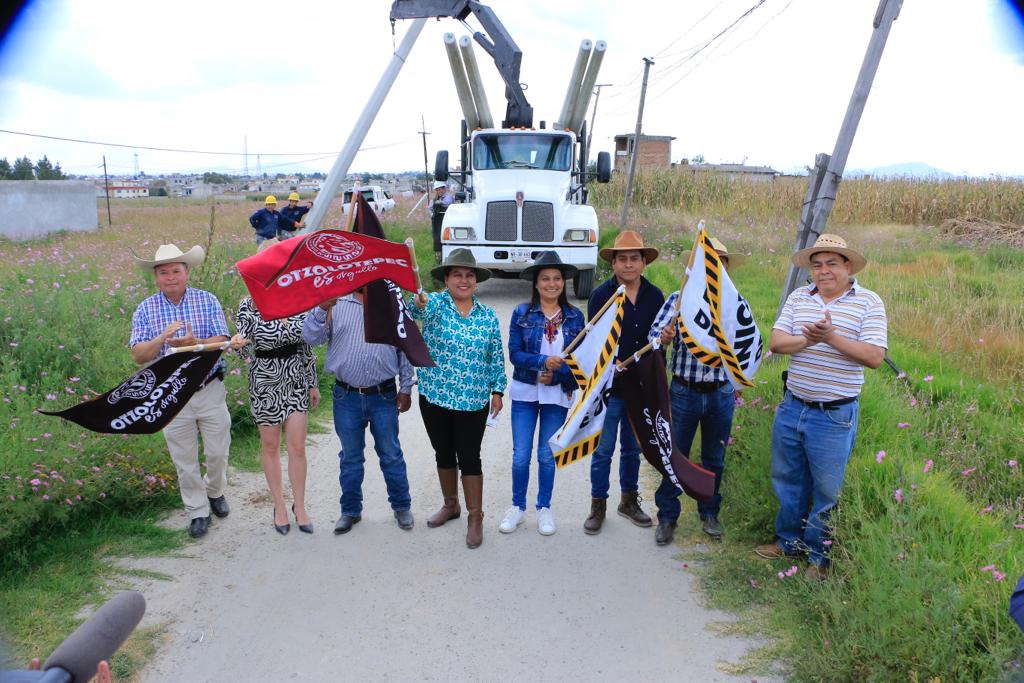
<point x="833" y="244"/>
<point x="734" y="259"/>
<point x="460" y="258"/>
<point x="169" y="253"/>
<point x="629" y="240"/>
<point x="548" y="259"/>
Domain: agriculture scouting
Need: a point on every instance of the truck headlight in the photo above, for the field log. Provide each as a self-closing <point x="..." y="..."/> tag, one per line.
<point x="580" y="235"/>
<point x="459" y="234"/>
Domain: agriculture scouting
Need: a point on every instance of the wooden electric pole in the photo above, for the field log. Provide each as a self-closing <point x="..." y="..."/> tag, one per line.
<point x="106" y="190"/>
<point x="828" y="170"/>
<point x="636" y="146"/>
<point x="593" y="114"/>
<point x="426" y="170"/>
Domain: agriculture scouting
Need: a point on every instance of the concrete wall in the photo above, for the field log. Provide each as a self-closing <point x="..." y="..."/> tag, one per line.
<point x="35" y="208"/>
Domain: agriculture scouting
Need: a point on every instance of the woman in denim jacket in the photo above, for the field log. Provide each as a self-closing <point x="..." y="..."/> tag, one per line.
<point x="542" y="386"/>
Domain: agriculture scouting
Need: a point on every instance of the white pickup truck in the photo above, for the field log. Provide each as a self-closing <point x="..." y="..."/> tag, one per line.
<point x="524" y="194"/>
<point x="379" y="198"/>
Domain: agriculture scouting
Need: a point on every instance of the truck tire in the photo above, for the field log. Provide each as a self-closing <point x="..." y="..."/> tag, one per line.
<point x="583" y="283"/>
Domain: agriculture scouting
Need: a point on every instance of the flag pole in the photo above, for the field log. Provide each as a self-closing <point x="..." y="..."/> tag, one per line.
<point x="415" y="265"/>
<point x="579" y="337"/>
<point x="216" y="346"/>
<point x="619" y="367"/>
<point x="352" y="208"/>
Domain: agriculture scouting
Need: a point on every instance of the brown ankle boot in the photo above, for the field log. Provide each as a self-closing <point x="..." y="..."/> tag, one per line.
<point x="629" y="507"/>
<point x="596" y="518"/>
<point x="449" y="479"/>
<point x="473" y="489"/>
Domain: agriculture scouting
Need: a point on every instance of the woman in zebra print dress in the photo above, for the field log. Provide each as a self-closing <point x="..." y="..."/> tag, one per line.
<point x="282" y="389"/>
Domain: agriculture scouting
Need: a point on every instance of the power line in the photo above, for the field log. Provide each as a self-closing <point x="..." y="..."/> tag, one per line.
<point x="187" y="151"/>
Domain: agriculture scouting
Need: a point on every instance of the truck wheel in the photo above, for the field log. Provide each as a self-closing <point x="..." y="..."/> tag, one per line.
<point x="583" y="283"/>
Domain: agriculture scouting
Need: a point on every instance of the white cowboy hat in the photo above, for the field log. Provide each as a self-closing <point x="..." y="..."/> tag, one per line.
<point x="833" y="244"/>
<point x="170" y="253"/>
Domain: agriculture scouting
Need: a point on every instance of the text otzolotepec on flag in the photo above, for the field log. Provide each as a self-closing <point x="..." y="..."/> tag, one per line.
<point x="148" y="400"/>
<point x="296" y="275"/>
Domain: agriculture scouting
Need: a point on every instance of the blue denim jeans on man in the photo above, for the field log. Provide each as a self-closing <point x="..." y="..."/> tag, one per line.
<point x="810" y="449"/>
<point x="616" y="429"/>
<point x="713" y="412"/>
<point x="352" y="413"/>
<point x="525" y="416"/>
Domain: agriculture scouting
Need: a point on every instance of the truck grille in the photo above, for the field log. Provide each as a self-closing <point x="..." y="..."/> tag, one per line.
<point x="538" y="222"/>
<point x="501" y="221"/>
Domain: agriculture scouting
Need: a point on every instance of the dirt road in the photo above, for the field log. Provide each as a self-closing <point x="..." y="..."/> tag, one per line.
<point x="380" y="603"/>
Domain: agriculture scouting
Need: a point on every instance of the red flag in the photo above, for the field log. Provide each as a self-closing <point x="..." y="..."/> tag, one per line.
<point x="289" y="277"/>
<point x="385" y="318"/>
<point x="645" y="392"/>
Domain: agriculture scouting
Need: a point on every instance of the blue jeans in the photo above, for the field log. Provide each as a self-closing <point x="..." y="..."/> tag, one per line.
<point x="525" y="415"/>
<point x="616" y="428"/>
<point x="352" y="412"/>
<point x="713" y="412"/>
<point x="810" y="449"/>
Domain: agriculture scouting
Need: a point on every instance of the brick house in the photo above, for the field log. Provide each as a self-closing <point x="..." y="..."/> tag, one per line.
<point x="655" y="151"/>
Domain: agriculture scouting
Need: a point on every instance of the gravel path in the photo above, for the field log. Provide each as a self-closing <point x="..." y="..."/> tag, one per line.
<point x="379" y="603"/>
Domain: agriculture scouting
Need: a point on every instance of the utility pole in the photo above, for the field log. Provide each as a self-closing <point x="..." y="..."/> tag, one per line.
<point x="426" y="171"/>
<point x="136" y="165"/>
<point x="106" y="190"/>
<point x="828" y="171"/>
<point x="593" y="114"/>
<point x="245" y="156"/>
<point x="636" y="145"/>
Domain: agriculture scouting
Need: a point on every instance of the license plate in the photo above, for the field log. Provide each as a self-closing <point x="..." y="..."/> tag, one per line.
<point x="519" y="255"/>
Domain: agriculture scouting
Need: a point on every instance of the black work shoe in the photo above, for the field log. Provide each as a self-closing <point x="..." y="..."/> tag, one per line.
<point x="198" y="527"/>
<point x="219" y="506"/>
<point x="344" y="523"/>
<point x="404" y="519"/>
<point x="712" y="527"/>
<point x="664" y="533"/>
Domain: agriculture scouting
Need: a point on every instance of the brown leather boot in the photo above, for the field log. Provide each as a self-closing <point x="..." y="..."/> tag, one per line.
<point x="449" y="479"/>
<point x="473" y="489"/>
<point x="629" y="507"/>
<point x="596" y="518"/>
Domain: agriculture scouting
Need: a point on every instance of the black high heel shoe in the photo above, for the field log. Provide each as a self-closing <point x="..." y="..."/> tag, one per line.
<point x="304" y="528"/>
<point x="282" y="529"/>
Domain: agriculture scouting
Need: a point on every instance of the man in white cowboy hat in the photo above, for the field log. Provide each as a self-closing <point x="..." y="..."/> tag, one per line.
<point x="833" y="328"/>
<point x="628" y="257"/>
<point x="179" y="315"/>
<point x="701" y="395"/>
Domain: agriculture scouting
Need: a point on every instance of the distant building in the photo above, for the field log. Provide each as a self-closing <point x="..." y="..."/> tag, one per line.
<point x="125" y="190"/>
<point x="655" y="151"/>
<point x="731" y="171"/>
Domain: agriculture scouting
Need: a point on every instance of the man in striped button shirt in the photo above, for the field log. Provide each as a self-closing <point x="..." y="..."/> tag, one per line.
<point x="701" y="395"/>
<point x="833" y="328"/>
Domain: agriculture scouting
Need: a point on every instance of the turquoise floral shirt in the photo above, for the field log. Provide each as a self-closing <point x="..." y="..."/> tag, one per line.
<point x="468" y="351"/>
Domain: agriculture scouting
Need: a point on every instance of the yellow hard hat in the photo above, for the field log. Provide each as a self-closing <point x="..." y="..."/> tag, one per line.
<point x="294" y="196"/>
<point x="271" y="199"/>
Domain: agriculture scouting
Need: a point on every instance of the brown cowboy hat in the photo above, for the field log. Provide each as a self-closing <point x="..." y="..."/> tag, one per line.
<point x="734" y="259"/>
<point x="833" y="244"/>
<point x="629" y="240"/>
<point x="170" y="253"/>
<point x="460" y="258"/>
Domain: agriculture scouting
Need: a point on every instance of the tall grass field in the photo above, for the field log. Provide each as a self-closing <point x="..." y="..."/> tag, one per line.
<point x="929" y="533"/>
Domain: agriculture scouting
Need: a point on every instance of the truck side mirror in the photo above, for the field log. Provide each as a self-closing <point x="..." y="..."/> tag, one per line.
<point x="604" y="167"/>
<point x="441" y="166"/>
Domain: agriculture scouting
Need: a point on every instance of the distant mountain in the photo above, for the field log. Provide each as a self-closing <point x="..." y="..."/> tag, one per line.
<point x="913" y="169"/>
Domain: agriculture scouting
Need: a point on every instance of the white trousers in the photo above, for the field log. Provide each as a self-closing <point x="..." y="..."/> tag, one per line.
<point x="206" y="413"/>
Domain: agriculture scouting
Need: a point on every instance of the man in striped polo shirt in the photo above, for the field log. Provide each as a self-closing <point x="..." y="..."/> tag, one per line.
<point x="832" y="328"/>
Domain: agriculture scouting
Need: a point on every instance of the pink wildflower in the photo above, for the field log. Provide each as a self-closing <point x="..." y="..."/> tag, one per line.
<point x="998" y="576"/>
<point x="898" y="495"/>
<point x="879" y="457"/>
<point x="913" y="402"/>
<point x="46" y="497"/>
<point x="928" y="378"/>
<point x="968" y="471"/>
<point x="902" y="425"/>
<point x="985" y="510"/>
<point x="1011" y="463"/>
<point x="928" y="466"/>
<point x="988" y="568"/>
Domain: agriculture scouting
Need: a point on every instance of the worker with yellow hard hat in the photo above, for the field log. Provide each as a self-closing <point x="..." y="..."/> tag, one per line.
<point x="268" y="222"/>
<point x="294" y="213"/>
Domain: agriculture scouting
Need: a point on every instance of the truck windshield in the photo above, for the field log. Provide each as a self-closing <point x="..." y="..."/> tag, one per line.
<point x="367" y="195"/>
<point x="547" y="152"/>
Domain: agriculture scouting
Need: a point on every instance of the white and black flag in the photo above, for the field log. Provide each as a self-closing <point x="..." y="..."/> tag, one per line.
<point x="148" y="400"/>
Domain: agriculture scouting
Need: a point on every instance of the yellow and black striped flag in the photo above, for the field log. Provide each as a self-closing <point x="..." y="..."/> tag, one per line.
<point x="593" y="366"/>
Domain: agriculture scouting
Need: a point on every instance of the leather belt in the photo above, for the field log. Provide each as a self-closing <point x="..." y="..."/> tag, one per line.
<point x="382" y="388"/>
<point x="278" y="352"/>
<point x="700" y="387"/>
<point x="219" y="374"/>
<point x="823" y="405"/>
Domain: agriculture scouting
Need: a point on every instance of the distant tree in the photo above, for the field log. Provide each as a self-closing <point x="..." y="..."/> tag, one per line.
<point x="698" y="159"/>
<point x="45" y="170"/>
<point x="158" y="192"/>
<point x="5" y="169"/>
<point x="216" y="178"/>
<point x="24" y="169"/>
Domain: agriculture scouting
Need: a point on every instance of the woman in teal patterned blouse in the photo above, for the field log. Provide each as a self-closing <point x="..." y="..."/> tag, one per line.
<point x="467" y="384"/>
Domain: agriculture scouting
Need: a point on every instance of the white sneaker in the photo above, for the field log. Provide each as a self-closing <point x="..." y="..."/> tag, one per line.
<point x="545" y="522"/>
<point x="513" y="518"/>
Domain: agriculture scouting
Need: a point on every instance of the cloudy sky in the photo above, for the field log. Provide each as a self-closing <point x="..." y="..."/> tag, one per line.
<point x="772" y="89"/>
